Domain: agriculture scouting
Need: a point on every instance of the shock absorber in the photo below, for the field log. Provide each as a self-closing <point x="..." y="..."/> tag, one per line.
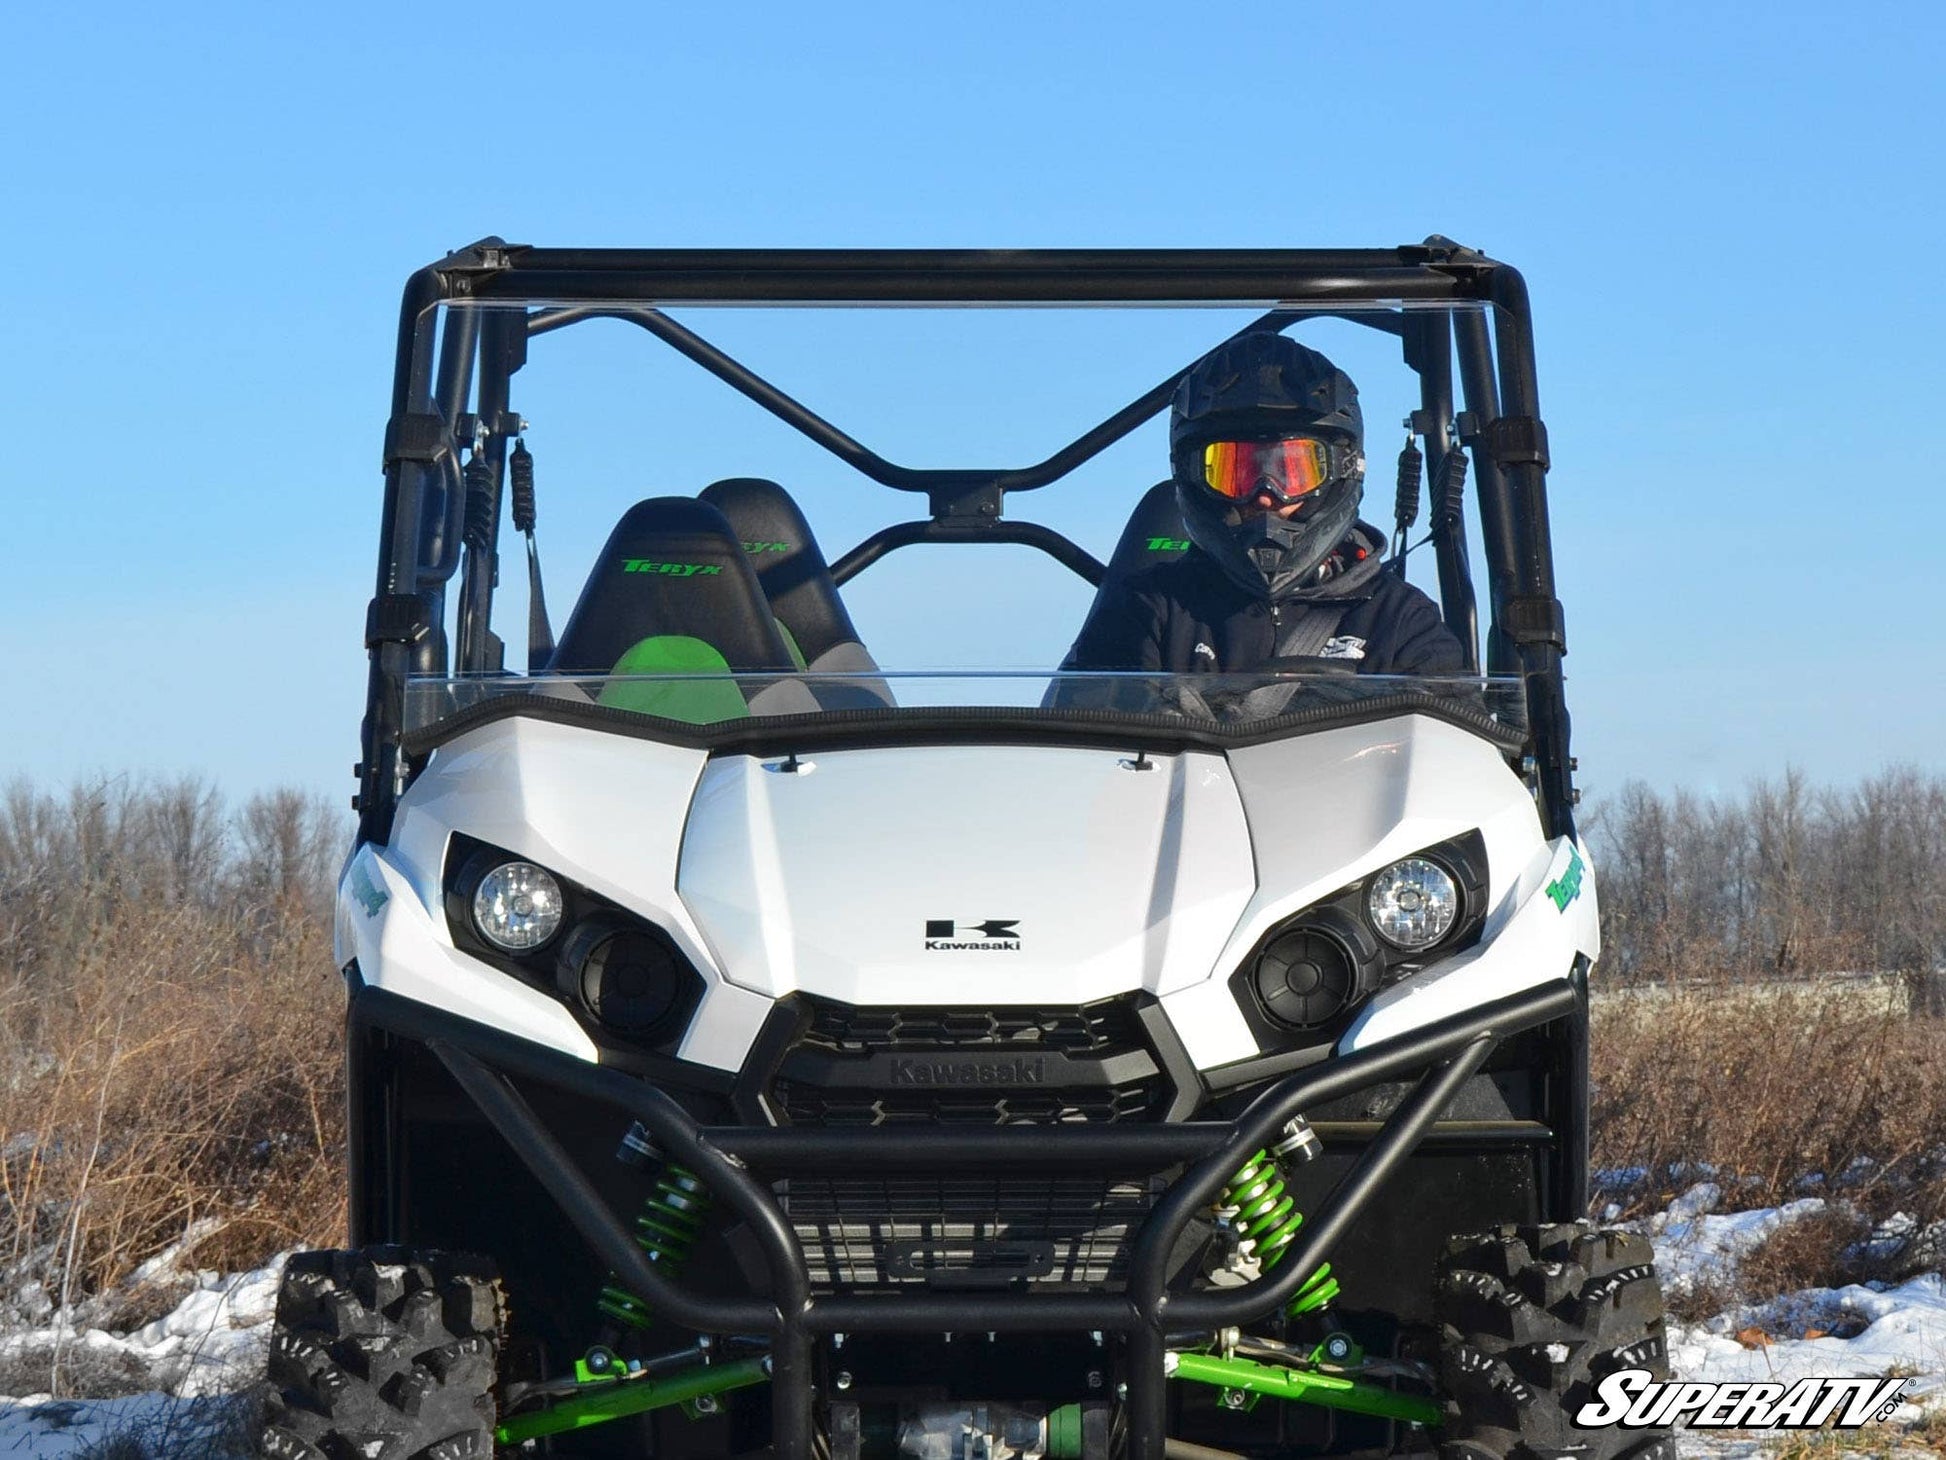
<point x="666" y="1228"/>
<point x="1265" y="1220"/>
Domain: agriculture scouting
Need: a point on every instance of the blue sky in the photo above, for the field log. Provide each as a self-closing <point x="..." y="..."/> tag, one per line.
<point x="1726" y="215"/>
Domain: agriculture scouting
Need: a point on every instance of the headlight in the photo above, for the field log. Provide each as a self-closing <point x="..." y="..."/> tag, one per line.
<point x="626" y="976"/>
<point x="1413" y="903"/>
<point x="518" y="906"/>
<point x="1305" y="978"/>
<point x="614" y="968"/>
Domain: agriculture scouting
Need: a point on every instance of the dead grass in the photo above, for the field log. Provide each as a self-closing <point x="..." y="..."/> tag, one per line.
<point x="1774" y="1094"/>
<point x="169" y="1035"/>
<point x="1823" y="1250"/>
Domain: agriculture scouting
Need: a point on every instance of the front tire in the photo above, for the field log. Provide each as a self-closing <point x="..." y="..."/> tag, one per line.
<point x="1531" y="1319"/>
<point x="384" y="1354"/>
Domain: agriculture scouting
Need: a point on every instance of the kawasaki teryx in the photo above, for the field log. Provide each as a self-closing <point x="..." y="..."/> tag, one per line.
<point x="759" y="1049"/>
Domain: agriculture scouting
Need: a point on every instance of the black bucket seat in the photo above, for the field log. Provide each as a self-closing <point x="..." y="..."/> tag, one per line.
<point x="803" y="596"/>
<point x="673" y="592"/>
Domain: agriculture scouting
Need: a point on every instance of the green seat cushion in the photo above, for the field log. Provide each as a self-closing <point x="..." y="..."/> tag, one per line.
<point x="693" y="701"/>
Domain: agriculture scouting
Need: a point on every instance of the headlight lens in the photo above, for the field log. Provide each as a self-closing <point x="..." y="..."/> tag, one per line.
<point x="1413" y="903"/>
<point x="518" y="906"/>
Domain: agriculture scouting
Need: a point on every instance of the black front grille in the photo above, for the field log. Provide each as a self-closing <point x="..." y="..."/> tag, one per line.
<point x="964" y="1231"/>
<point x="859" y="1065"/>
<point x="1091" y="1029"/>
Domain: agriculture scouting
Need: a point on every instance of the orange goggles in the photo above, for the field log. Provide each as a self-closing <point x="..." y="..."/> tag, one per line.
<point x="1285" y="469"/>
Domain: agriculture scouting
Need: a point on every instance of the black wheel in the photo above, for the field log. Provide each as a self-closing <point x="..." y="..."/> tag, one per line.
<point x="1531" y="1319"/>
<point x="385" y="1354"/>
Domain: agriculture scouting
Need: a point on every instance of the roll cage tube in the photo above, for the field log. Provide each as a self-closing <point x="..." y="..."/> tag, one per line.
<point x="425" y="504"/>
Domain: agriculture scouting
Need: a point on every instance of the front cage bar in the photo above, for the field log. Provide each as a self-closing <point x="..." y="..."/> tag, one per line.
<point x="403" y="633"/>
<point x="727" y="1158"/>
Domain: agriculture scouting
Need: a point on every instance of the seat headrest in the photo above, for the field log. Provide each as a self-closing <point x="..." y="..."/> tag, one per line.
<point x="672" y="566"/>
<point x="790" y="566"/>
<point x="1154" y="534"/>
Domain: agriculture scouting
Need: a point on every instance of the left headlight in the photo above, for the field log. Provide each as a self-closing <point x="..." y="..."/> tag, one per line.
<point x="621" y="974"/>
<point x="517" y="906"/>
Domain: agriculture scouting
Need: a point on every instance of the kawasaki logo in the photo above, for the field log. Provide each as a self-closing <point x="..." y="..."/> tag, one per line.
<point x="1567" y="887"/>
<point x="997" y="935"/>
<point x="674" y="570"/>
<point x="1021" y="1071"/>
<point x="1168" y="544"/>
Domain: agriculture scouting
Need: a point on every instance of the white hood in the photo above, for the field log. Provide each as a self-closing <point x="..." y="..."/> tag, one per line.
<point x="995" y="874"/>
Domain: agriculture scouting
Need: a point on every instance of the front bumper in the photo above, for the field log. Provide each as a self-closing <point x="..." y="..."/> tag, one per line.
<point x="737" y="1162"/>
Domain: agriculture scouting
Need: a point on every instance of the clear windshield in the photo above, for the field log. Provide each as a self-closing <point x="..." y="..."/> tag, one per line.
<point x="1225" y="704"/>
<point x="606" y="425"/>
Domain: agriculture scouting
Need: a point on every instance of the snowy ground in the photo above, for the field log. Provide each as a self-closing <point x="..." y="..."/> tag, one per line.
<point x="184" y="1364"/>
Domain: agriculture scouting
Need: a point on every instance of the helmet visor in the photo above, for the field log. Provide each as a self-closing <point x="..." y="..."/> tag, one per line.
<point x="1285" y="469"/>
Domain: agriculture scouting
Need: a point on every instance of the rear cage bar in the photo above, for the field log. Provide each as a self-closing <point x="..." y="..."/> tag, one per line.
<point x="729" y="1160"/>
<point x="435" y="372"/>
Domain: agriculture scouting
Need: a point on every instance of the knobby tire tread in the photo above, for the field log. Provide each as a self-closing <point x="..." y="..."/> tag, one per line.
<point x="1531" y="1319"/>
<point x="385" y="1354"/>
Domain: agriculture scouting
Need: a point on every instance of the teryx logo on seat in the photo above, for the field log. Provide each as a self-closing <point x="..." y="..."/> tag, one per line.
<point x="997" y="935"/>
<point x="674" y="570"/>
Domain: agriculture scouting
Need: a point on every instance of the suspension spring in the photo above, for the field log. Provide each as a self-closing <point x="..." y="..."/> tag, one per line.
<point x="1265" y="1216"/>
<point x="666" y="1231"/>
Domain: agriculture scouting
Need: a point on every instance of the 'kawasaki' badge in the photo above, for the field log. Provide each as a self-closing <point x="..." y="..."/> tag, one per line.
<point x="996" y="935"/>
<point x="1027" y="1070"/>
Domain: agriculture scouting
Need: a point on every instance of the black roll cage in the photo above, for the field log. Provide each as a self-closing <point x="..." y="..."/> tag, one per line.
<point x="477" y="352"/>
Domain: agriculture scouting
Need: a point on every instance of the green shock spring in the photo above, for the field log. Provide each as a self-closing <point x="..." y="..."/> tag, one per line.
<point x="1266" y="1216"/>
<point x="671" y="1217"/>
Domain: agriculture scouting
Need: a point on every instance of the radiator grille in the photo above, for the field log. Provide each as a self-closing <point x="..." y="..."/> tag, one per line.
<point x="860" y="1065"/>
<point x="964" y="1231"/>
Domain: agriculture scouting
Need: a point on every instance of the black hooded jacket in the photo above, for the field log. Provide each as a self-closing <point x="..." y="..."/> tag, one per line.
<point x="1189" y="617"/>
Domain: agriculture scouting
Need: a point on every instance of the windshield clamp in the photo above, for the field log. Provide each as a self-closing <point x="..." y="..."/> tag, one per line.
<point x="1535" y="621"/>
<point x="965" y="499"/>
<point x="397" y="618"/>
<point x="415" y="437"/>
<point x="1518" y="441"/>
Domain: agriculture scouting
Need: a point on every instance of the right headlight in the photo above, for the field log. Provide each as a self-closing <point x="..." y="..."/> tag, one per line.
<point x="1316" y="968"/>
<point x="1413" y="903"/>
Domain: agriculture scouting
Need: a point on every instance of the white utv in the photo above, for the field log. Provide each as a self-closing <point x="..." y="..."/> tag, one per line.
<point x="754" y="1051"/>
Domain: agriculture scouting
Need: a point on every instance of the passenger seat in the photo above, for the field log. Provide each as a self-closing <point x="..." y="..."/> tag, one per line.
<point x="802" y="593"/>
<point x="673" y="592"/>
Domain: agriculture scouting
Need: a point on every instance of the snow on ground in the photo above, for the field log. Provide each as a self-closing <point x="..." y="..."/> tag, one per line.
<point x="1898" y="1328"/>
<point x="186" y="1364"/>
<point x="212" y="1343"/>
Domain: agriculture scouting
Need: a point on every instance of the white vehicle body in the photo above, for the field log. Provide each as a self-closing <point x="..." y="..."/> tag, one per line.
<point x="1108" y="875"/>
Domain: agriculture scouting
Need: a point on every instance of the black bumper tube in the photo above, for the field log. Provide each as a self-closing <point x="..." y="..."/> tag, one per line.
<point x="1445" y="1054"/>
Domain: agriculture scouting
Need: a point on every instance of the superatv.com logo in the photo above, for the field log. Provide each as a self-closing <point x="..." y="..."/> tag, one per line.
<point x="1635" y="1399"/>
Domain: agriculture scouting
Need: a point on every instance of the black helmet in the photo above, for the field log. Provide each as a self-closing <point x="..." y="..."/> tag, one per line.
<point x="1262" y="386"/>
